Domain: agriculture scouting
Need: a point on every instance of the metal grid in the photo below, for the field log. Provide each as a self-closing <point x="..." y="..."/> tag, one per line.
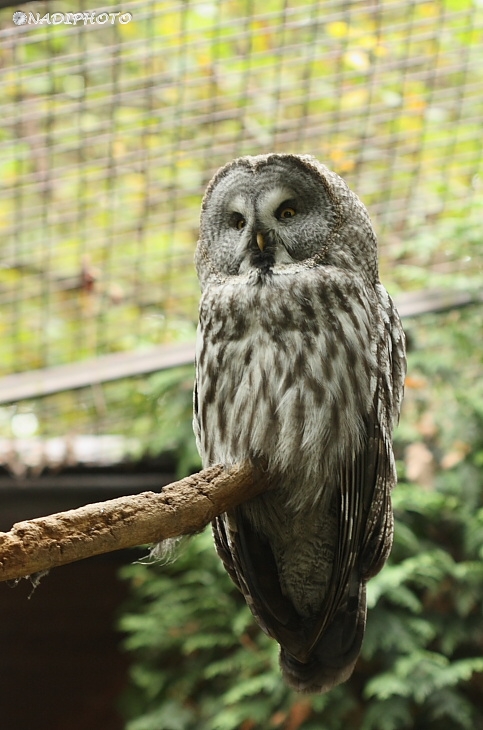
<point x="111" y="131"/>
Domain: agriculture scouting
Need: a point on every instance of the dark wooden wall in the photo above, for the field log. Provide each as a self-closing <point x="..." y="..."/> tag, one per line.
<point x="61" y="665"/>
<point x="60" y="662"/>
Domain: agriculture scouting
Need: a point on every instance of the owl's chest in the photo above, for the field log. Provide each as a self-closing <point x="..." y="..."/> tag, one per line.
<point x="280" y="367"/>
<point x="303" y="321"/>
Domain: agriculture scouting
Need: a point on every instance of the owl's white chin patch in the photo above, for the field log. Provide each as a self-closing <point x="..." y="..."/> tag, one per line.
<point x="245" y="266"/>
<point x="280" y="257"/>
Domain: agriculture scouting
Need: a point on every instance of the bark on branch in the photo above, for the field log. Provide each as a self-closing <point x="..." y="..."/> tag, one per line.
<point x="182" y="508"/>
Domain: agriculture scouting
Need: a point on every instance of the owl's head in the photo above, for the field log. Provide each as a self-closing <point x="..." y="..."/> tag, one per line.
<point x="279" y="210"/>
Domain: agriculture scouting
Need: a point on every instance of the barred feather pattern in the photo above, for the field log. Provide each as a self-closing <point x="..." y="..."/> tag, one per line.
<point x="299" y="369"/>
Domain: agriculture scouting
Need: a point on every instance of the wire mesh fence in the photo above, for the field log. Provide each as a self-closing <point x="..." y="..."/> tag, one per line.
<point x="113" y="124"/>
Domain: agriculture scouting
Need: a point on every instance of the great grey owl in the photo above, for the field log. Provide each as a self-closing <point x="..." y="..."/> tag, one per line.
<point x="300" y="364"/>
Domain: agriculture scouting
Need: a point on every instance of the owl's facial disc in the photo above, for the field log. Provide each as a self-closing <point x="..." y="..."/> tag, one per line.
<point x="269" y="212"/>
<point x="260" y="219"/>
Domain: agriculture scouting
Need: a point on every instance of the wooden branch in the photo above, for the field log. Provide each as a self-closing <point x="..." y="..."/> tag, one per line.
<point x="181" y="508"/>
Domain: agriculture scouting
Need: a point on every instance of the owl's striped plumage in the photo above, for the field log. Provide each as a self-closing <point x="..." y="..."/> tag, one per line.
<point x="299" y="368"/>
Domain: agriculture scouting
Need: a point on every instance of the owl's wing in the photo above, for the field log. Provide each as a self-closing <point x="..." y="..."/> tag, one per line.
<point x="196" y="416"/>
<point x="249" y="561"/>
<point x="393" y="356"/>
<point x="319" y="652"/>
<point x="365" y="519"/>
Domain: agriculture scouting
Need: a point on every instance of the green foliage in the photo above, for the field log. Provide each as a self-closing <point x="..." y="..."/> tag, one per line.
<point x="200" y="662"/>
<point x="196" y="636"/>
<point x="163" y="423"/>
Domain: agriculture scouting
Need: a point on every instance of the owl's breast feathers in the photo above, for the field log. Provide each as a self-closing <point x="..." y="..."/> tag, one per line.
<point x="301" y="374"/>
<point x="286" y="367"/>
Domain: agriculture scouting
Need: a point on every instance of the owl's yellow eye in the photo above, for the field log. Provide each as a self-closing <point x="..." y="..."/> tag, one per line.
<point x="240" y="223"/>
<point x="286" y="213"/>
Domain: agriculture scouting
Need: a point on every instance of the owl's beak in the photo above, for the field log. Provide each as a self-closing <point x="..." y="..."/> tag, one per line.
<point x="260" y="241"/>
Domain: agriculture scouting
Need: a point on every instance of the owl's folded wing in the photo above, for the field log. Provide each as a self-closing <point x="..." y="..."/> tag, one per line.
<point x="320" y="651"/>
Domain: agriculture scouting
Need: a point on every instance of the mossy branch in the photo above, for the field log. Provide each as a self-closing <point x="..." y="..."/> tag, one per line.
<point x="181" y="508"/>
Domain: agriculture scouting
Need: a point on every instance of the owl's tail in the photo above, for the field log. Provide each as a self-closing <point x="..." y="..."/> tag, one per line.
<point x="333" y="657"/>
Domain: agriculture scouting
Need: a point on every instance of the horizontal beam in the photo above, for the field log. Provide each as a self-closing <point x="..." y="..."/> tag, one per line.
<point x="434" y="301"/>
<point x="119" y="365"/>
<point x="85" y="373"/>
